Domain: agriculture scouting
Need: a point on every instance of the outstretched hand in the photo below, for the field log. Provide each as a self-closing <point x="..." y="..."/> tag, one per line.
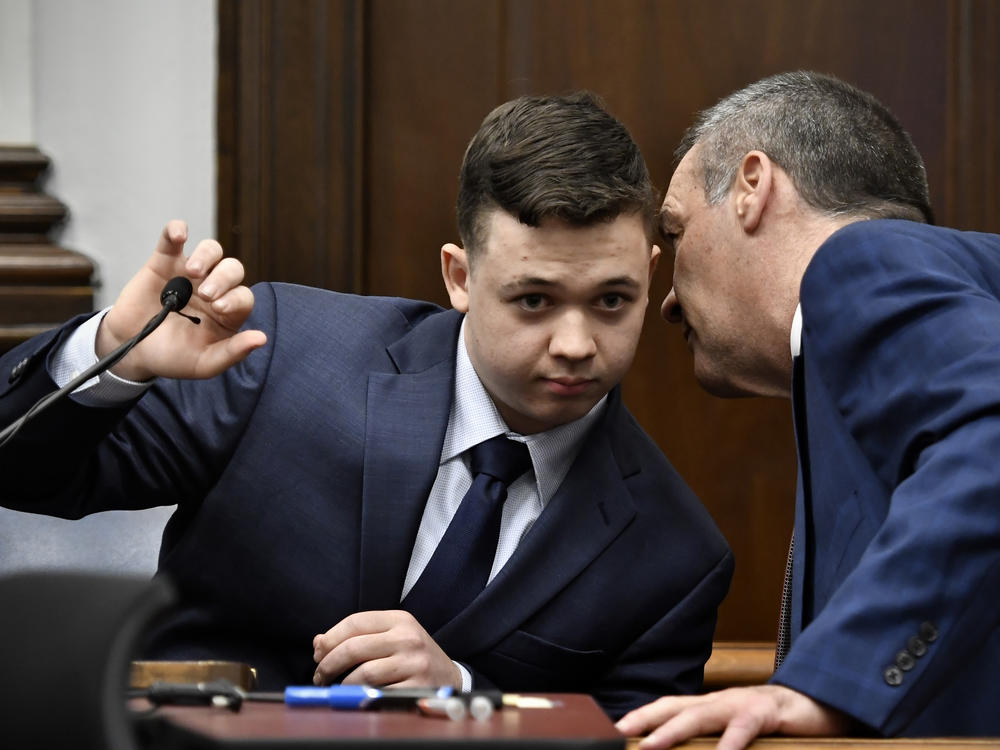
<point x="179" y="348"/>
<point x="740" y="714"/>
<point x="383" y="648"/>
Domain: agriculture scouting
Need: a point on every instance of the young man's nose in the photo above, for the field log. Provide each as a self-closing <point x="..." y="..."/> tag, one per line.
<point x="572" y="337"/>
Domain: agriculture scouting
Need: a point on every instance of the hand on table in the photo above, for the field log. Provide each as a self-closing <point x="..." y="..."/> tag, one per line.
<point x="384" y="648"/>
<point x="740" y="714"/>
<point x="178" y="348"/>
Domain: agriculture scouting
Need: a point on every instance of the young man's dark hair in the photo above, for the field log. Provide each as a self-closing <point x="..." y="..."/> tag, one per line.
<point x="560" y="156"/>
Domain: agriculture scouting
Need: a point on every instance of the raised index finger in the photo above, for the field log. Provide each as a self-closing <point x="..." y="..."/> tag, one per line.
<point x="172" y="238"/>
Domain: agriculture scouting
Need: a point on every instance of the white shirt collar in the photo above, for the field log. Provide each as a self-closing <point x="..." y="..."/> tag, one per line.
<point x="475" y="418"/>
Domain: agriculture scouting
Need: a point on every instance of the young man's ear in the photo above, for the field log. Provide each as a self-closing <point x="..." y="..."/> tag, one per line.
<point x="752" y="187"/>
<point x="455" y="271"/>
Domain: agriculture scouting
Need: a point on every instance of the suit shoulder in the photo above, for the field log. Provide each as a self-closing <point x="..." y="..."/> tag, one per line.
<point x="888" y="247"/>
<point x="282" y="304"/>
<point x="881" y="267"/>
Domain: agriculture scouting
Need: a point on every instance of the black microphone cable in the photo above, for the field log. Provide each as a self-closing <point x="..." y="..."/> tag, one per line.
<point x="174" y="298"/>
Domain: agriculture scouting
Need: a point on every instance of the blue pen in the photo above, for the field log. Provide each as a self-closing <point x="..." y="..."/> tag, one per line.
<point x="354" y="697"/>
<point x="334" y="696"/>
<point x="348" y="697"/>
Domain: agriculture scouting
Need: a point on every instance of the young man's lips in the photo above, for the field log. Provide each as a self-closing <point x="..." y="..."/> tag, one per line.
<point x="568" y="386"/>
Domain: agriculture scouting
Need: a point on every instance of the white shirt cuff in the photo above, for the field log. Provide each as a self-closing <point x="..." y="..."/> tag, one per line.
<point x="78" y="353"/>
<point x="466" y="677"/>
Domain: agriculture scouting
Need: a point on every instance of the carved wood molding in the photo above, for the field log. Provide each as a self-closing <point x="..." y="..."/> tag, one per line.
<point x="29" y="216"/>
<point x="43" y="264"/>
<point x="41" y="284"/>
<point x="22" y="165"/>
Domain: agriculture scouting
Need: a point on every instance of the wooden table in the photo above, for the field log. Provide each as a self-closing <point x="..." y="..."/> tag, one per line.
<point x="577" y="722"/>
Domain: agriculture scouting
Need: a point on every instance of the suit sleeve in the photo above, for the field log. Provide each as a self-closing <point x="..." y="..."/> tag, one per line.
<point x="669" y="657"/>
<point x="906" y="339"/>
<point x="164" y="448"/>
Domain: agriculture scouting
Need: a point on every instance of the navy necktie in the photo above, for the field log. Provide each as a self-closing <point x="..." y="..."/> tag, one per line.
<point x="461" y="564"/>
<point x="802" y="437"/>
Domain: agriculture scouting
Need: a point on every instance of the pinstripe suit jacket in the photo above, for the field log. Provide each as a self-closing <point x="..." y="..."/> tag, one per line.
<point x="301" y="476"/>
<point x="896" y="577"/>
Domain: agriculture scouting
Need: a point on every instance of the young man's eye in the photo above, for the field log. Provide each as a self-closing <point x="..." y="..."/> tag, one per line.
<point x="613" y="301"/>
<point x="532" y="301"/>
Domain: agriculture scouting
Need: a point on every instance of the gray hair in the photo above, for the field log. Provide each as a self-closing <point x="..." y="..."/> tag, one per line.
<point x="843" y="149"/>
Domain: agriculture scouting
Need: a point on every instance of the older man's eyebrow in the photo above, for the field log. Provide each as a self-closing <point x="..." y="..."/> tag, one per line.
<point x="665" y="222"/>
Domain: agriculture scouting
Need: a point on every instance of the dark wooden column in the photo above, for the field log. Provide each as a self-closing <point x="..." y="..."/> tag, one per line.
<point x="41" y="284"/>
<point x="290" y="148"/>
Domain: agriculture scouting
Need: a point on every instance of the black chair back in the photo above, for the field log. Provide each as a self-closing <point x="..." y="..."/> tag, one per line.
<point x="66" y="643"/>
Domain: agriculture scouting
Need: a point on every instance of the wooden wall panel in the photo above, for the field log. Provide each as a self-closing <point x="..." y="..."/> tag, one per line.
<point x="971" y="197"/>
<point x="290" y="139"/>
<point x="396" y="88"/>
<point x="432" y="77"/>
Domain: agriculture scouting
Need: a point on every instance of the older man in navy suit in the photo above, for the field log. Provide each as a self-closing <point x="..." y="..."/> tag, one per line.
<point x="337" y="518"/>
<point x="806" y="266"/>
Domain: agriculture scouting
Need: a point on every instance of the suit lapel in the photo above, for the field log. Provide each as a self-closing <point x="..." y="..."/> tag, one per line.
<point x="590" y="509"/>
<point x="407" y="415"/>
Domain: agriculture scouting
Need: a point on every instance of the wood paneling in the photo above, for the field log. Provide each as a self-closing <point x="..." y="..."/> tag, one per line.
<point x="433" y="74"/>
<point x="290" y="134"/>
<point x="343" y="124"/>
<point x="971" y="197"/>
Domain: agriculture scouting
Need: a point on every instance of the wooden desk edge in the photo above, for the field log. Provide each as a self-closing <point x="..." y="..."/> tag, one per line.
<point x="847" y="743"/>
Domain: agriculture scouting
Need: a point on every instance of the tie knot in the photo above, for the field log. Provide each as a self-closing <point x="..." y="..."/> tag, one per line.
<point x="501" y="458"/>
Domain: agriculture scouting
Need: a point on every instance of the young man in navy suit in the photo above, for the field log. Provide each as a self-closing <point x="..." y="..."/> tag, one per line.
<point x="319" y="445"/>
<point x="806" y="266"/>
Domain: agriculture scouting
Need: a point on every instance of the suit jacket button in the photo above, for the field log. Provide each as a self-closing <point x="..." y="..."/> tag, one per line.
<point x="928" y="632"/>
<point x="18" y="370"/>
<point x="916" y="646"/>
<point x="905" y="661"/>
<point x="893" y="676"/>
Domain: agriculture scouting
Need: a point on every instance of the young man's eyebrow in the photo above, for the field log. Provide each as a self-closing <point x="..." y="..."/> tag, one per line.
<point x="537" y="281"/>
<point x="523" y="281"/>
<point x="618" y="281"/>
